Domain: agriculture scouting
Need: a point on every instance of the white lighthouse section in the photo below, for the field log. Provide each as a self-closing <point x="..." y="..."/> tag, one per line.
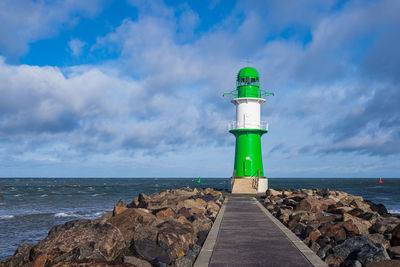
<point x="248" y="113"/>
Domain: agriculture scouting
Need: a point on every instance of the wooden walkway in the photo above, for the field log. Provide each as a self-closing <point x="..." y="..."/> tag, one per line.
<point x="248" y="236"/>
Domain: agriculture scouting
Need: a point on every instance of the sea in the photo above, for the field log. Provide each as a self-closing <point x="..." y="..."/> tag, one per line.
<point x="29" y="207"/>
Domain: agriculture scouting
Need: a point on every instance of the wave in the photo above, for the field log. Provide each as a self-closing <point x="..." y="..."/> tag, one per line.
<point x="395" y="211"/>
<point x="3" y="217"/>
<point x="63" y="214"/>
<point x="44" y="195"/>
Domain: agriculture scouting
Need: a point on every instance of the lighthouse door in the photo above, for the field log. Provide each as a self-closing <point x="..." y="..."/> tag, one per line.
<point x="247" y="167"/>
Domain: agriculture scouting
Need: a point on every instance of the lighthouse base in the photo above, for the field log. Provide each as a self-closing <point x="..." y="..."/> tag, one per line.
<point x="249" y="185"/>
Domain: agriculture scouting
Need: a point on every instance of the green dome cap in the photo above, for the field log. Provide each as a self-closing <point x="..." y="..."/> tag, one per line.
<point x="248" y="83"/>
<point x="247" y="72"/>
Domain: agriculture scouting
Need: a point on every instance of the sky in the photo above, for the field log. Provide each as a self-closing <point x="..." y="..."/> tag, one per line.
<point x="127" y="88"/>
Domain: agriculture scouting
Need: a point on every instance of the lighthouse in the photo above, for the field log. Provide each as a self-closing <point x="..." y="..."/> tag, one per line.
<point x="248" y="174"/>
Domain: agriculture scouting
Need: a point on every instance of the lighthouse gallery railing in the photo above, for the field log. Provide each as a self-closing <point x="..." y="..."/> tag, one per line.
<point x="232" y="125"/>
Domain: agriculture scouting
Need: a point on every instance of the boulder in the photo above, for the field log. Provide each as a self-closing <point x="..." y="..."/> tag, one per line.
<point x="119" y="208"/>
<point x="148" y="249"/>
<point x="145" y="232"/>
<point x="166" y="212"/>
<point x="335" y="231"/>
<point x="272" y="192"/>
<point x="361" y="224"/>
<point x="357" y="203"/>
<point x="379" y="208"/>
<point x="202" y="223"/>
<point x="313" y="205"/>
<point x="184" y="212"/>
<point x="185" y="261"/>
<point x="395" y="236"/>
<point x="20" y="257"/>
<point x="379" y="238"/>
<point x="212" y="209"/>
<point x="175" y="238"/>
<point x="333" y="260"/>
<point x="362" y="249"/>
<point x="193" y="206"/>
<point x="394" y="252"/>
<point x="126" y="223"/>
<point x="136" y="261"/>
<point x="105" y="239"/>
<point x="372" y="253"/>
<point x="88" y="263"/>
<point x="386" y="263"/>
<point x="314" y="235"/>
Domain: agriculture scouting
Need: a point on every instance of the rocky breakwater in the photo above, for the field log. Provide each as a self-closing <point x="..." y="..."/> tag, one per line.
<point x="165" y="229"/>
<point x="342" y="229"/>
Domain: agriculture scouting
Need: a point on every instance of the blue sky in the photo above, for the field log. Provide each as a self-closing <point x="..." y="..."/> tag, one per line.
<point x="105" y="88"/>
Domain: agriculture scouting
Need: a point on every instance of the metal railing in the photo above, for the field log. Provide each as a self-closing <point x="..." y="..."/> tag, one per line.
<point x="235" y="94"/>
<point x="263" y="125"/>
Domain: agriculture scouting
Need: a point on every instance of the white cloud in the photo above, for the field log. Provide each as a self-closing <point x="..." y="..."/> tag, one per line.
<point x="76" y="47"/>
<point x="26" y="21"/>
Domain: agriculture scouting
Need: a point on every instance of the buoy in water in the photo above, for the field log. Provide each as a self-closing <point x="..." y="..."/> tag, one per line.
<point x="380" y="180"/>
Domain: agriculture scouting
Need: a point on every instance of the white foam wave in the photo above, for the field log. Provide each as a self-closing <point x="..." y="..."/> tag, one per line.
<point x="63" y="214"/>
<point x="395" y="211"/>
<point x="3" y="217"/>
<point x="44" y="195"/>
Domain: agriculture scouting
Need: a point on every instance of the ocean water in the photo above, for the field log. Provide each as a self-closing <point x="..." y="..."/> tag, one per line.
<point x="29" y="207"/>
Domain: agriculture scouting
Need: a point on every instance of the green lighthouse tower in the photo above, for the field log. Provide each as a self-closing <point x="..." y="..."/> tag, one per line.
<point x="248" y="174"/>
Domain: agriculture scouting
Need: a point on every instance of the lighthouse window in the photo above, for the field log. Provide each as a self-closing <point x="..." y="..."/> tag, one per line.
<point x="253" y="81"/>
<point x="248" y="81"/>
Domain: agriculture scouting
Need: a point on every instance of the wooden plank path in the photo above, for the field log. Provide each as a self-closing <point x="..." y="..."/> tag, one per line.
<point x="246" y="234"/>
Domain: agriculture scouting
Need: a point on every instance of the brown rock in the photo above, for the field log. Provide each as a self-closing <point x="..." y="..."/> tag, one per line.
<point x="201" y="202"/>
<point x="351" y="229"/>
<point x="136" y="261"/>
<point x="119" y="208"/>
<point x="168" y="212"/>
<point x="333" y="230"/>
<point x="212" y="208"/>
<point x="176" y="239"/>
<point x="356" y="212"/>
<point x="387" y="263"/>
<point x="183" y="220"/>
<point x="395" y="236"/>
<point x="394" y="252"/>
<point x="192" y="205"/>
<point x="314" y="246"/>
<point x="347" y="199"/>
<point x="20" y="257"/>
<point x="103" y="238"/>
<point x="361" y="224"/>
<point x="333" y="260"/>
<point x="184" y="212"/>
<point x="126" y="223"/>
<point x="361" y="205"/>
<point x="300" y="215"/>
<point x="314" y="235"/>
<point x="87" y="263"/>
<point x="379" y="238"/>
<point x="326" y="217"/>
<point x="202" y="223"/>
<point x="145" y="231"/>
<point x="40" y="261"/>
<point x="272" y="192"/>
<point x="313" y="205"/>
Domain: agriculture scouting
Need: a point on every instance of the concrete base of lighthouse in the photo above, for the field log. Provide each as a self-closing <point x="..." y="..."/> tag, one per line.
<point x="249" y="185"/>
